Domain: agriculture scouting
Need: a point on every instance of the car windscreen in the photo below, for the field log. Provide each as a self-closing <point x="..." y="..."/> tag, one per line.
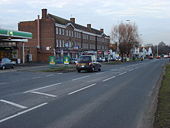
<point x="6" y="60"/>
<point x="84" y="59"/>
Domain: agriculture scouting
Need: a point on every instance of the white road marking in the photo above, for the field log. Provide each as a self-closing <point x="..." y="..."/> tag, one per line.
<point x="109" y="78"/>
<point x="81" y="89"/>
<point x="13" y="104"/>
<point x="59" y="73"/>
<point x="20" y="113"/>
<point x="37" y="77"/>
<point x="80" y="78"/>
<point x="131" y="70"/>
<point x="32" y="90"/>
<point x="49" y="75"/>
<point x="121" y="73"/>
<point x="45" y="94"/>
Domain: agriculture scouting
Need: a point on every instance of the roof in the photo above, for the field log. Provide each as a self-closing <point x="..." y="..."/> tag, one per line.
<point x="63" y="21"/>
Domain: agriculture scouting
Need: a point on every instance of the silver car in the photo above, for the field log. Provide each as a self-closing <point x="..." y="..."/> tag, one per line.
<point x="6" y="63"/>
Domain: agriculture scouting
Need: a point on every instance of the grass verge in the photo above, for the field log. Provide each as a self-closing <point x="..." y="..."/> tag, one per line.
<point x="64" y="68"/>
<point x="162" y="116"/>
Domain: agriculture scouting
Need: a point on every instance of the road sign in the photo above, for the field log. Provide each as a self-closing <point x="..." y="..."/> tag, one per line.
<point x="66" y="59"/>
<point x="52" y="60"/>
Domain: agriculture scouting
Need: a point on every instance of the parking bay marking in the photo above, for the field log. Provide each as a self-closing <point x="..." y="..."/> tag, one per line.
<point x="45" y="94"/>
<point x="13" y="104"/>
<point x="42" y="87"/>
<point x="81" y="89"/>
<point x="80" y="78"/>
<point x="20" y="113"/>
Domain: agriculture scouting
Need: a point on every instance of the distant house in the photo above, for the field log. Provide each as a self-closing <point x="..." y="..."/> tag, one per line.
<point x="135" y="52"/>
<point x="142" y="51"/>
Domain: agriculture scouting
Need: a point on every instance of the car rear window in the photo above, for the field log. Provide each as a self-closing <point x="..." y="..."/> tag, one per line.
<point x="84" y="59"/>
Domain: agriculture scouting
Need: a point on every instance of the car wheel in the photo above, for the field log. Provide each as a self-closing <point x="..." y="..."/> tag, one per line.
<point x="99" y="69"/>
<point x="3" y="67"/>
<point x="78" y="71"/>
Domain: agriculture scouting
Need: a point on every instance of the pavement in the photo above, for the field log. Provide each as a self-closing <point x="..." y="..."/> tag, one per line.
<point x="119" y="97"/>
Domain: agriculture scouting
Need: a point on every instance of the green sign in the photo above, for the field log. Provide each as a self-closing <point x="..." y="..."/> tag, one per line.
<point x="52" y="60"/>
<point x="66" y="59"/>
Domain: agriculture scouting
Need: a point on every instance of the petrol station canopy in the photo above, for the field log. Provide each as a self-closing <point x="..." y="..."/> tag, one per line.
<point x="14" y="36"/>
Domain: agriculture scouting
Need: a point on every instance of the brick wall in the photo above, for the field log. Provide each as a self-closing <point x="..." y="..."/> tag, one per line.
<point x="31" y="45"/>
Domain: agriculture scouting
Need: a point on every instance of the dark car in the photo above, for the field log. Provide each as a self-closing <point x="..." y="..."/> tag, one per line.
<point x="6" y="63"/>
<point x="88" y="63"/>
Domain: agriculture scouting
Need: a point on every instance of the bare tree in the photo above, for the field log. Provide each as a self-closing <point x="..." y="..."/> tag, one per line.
<point x="162" y="48"/>
<point x="126" y="35"/>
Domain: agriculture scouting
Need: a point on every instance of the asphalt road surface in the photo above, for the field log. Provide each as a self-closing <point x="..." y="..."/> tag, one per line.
<point x="117" y="97"/>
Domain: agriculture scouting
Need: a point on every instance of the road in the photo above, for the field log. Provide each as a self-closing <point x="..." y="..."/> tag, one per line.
<point x="117" y="97"/>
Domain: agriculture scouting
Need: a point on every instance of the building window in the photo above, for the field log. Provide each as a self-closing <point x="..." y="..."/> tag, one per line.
<point x="72" y="33"/>
<point x="59" y="31"/>
<point x="66" y="32"/>
<point x="69" y="33"/>
<point x="75" y="34"/>
<point x="56" y="30"/>
<point x="62" y="31"/>
<point x="57" y="43"/>
<point x="63" y="43"/>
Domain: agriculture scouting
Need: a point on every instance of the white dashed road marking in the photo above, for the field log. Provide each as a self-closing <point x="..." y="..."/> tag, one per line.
<point x="80" y="78"/>
<point x="121" y="73"/>
<point x="13" y="104"/>
<point x="109" y="78"/>
<point x="81" y="89"/>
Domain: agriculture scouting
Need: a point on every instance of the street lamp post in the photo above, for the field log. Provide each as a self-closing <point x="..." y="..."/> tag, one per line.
<point x="157" y="50"/>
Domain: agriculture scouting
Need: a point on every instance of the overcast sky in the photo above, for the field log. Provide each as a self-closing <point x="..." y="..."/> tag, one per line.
<point x="151" y="16"/>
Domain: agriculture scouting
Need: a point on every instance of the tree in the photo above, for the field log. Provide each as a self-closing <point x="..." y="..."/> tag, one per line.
<point x="162" y="49"/>
<point x="126" y="35"/>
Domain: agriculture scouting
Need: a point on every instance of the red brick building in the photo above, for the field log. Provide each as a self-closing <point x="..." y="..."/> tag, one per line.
<point x="53" y="35"/>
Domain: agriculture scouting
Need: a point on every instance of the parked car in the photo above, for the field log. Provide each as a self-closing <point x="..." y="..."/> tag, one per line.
<point x="6" y="63"/>
<point x="88" y="63"/>
<point x="150" y="57"/>
<point x="158" y="57"/>
<point x="73" y="61"/>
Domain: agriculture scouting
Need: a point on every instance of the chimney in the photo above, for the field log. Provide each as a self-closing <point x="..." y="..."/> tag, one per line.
<point x="89" y="26"/>
<point x="72" y="20"/>
<point x="102" y="30"/>
<point x="44" y="13"/>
